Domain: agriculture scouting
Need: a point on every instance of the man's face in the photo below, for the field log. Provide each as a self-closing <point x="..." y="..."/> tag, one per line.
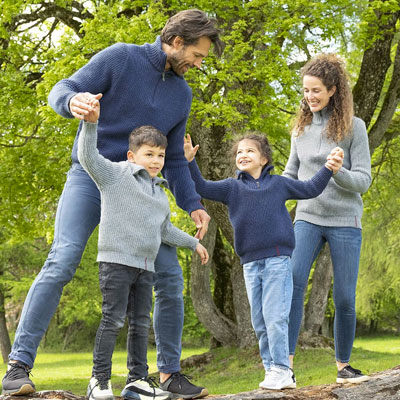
<point x="181" y="57"/>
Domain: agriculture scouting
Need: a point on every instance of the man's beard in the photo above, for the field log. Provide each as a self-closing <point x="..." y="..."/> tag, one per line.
<point x="177" y="64"/>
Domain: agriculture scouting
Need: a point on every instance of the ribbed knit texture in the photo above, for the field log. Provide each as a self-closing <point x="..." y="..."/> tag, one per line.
<point x="136" y="91"/>
<point x="134" y="208"/>
<point x="262" y="225"/>
<point x="340" y="204"/>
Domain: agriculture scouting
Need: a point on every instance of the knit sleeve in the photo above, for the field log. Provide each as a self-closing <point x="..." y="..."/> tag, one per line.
<point x="97" y="76"/>
<point x="358" y="177"/>
<point x="313" y="187"/>
<point x="211" y="190"/>
<point x="172" y="236"/>
<point x="102" y="171"/>
<point x="293" y="163"/>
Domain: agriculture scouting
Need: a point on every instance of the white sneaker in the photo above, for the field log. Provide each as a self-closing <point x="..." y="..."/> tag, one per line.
<point x="144" y="389"/>
<point x="277" y="379"/>
<point x="100" y="389"/>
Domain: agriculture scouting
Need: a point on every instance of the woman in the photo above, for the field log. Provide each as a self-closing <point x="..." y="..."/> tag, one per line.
<point x="325" y="119"/>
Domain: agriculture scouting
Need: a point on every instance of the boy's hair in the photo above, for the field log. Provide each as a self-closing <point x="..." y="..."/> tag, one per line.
<point x="149" y="135"/>
<point x="191" y="25"/>
<point x="261" y="143"/>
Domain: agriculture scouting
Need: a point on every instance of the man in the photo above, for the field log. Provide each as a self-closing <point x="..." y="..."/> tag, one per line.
<point x="141" y="85"/>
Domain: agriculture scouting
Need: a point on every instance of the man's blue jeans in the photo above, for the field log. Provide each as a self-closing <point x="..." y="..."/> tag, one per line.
<point x="269" y="288"/>
<point x="77" y="216"/>
<point x="345" y="245"/>
<point x="126" y="292"/>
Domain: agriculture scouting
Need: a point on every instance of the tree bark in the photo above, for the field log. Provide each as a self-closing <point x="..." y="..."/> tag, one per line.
<point x="321" y="283"/>
<point x="5" y="343"/>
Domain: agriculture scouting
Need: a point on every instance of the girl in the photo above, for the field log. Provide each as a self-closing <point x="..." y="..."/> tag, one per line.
<point x="326" y="118"/>
<point x="264" y="240"/>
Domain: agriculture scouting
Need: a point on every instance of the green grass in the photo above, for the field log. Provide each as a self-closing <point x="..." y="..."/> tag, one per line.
<point x="232" y="370"/>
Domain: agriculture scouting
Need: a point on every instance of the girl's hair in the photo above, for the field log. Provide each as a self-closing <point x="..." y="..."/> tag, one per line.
<point x="146" y="134"/>
<point x="262" y="145"/>
<point x="329" y="68"/>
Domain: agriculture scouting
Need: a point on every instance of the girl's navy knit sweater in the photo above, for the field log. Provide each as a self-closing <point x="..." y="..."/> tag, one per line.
<point x="136" y="91"/>
<point x="262" y="225"/>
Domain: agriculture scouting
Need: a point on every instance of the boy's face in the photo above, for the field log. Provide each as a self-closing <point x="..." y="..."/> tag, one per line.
<point x="150" y="157"/>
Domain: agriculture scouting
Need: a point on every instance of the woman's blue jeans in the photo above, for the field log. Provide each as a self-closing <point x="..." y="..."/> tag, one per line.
<point x="345" y="245"/>
<point x="78" y="214"/>
<point x="269" y="289"/>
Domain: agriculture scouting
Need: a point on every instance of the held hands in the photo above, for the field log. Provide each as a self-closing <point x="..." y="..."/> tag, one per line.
<point x="82" y="106"/>
<point x="335" y="160"/>
<point x="190" y="151"/>
<point x="202" y="252"/>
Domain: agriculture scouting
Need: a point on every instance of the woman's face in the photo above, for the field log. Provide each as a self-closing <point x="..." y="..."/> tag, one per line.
<point x="316" y="93"/>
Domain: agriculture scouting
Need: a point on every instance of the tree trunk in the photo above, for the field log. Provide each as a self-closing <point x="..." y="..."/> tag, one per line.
<point x="223" y="329"/>
<point x="321" y="283"/>
<point x="5" y="343"/>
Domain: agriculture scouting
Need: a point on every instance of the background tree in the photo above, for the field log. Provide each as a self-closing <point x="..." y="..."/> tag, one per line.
<point x="254" y="86"/>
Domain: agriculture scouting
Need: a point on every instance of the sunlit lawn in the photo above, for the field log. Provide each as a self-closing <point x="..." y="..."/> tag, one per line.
<point x="231" y="371"/>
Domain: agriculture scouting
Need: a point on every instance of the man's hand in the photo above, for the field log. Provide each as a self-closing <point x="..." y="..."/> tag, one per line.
<point x="201" y="219"/>
<point x="190" y="151"/>
<point x="79" y="105"/>
<point x="202" y="252"/>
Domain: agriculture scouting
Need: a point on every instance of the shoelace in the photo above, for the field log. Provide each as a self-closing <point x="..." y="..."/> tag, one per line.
<point x="180" y="376"/>
<point x="356" y="371"/>
<point x="101" y="382"/>
<point x="15" y="367"/>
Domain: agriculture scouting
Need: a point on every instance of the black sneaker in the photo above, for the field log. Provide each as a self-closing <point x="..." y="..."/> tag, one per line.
<point x="144" y="389"/>
<point x="181" y="388"/>
<point x="351" y="375"/>
<point x="16" y="380"/>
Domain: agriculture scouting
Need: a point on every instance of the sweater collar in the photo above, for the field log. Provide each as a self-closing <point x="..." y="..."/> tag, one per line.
<point x="243" y="175"/>
<point x="156" y="54"/>
<point x="158" y="57"/>
<point x="322" y="116"/>
<point x="140" y="170"/>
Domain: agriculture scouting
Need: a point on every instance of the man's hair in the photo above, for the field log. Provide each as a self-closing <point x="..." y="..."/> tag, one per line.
<point x="261" y="142"/>
<point x="149" y="135"/>
<point x="191" y="25"/>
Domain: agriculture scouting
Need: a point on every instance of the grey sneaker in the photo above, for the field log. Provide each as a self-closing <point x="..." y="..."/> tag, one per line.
<point x="351" y="375"/>
<point x="16" y="380"/>
<point x="181" y="388"/>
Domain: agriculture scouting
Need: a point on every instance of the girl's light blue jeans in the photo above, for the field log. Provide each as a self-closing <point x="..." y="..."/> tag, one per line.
<point x="269" y="289"/>
<point x="78" y="214"/>
<point x="345" y="245"/>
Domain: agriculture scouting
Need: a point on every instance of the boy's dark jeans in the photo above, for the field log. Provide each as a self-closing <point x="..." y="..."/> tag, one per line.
<point x="127" y="292"/>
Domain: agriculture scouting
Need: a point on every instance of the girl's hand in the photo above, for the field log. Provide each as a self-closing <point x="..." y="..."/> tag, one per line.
<point x="202" y="252"/>
<point x="335" y="160"/>
<point x="190" y="151"/>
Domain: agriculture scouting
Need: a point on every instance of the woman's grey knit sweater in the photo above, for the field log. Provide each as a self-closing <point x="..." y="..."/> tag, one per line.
<point x="340" y="204"/>
<point x="135" y="213"/>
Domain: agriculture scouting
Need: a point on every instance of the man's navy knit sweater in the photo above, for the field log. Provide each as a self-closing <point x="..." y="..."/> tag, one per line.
<point x="262" y="225"/>
<point x="136" y="91"/>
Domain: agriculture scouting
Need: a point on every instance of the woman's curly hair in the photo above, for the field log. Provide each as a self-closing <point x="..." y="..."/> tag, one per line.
<point x="329" y="68"/>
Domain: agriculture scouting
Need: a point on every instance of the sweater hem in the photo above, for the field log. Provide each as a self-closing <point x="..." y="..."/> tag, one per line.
<point x="266" y="253"/>
<point x="126" y="259"/>
<point x="352" y="221"/>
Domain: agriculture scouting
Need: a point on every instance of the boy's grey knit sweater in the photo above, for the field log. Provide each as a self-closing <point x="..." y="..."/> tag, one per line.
<point x="135" y="214"/>
<point x="340" y="204"/>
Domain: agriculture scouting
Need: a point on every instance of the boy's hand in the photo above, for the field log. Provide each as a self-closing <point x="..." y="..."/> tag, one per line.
<point x="79" y="105"/>
<point x="190" y="151"/>
<point x="335" y="160"/>
<point x="202" y="252"/>
<point x="94" y="111"/>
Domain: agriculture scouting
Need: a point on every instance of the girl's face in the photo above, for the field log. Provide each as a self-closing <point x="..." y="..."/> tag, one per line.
<point x="316" y="93"/>
<point x="249" y="158"/>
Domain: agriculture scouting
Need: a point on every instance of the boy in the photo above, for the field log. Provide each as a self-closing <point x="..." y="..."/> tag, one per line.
<point x="134" y="221"/>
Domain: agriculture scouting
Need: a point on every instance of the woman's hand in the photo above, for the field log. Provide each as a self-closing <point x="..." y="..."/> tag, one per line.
<point x="335" y="160"/>
<point x="190" y="151"/>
